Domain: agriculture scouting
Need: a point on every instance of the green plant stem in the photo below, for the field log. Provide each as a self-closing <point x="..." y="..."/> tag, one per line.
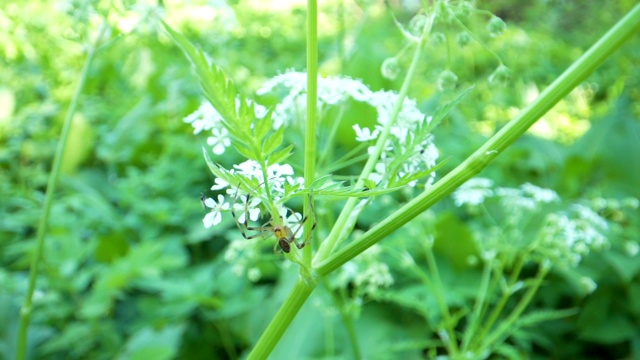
<point x="578" y="72"/>
<point x="507" y="326"/>
<point x="338" y="229"/>
<point x="506" y="295"/>
<point x="312" y="114"/>
<point x="328" y="147"/>
<point x="480" y="304"/>
<point x="54" y="177"/>
<point x="282" y="319"/>
<point x="340" y="303"/>
<point x="438" y="291"/>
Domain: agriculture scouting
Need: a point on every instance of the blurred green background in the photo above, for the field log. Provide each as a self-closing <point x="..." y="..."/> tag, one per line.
<point x="129" y="271"/>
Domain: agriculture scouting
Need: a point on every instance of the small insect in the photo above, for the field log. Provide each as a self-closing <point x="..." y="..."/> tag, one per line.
<point x="202" y="199"/>
<point x="285" y="235"/>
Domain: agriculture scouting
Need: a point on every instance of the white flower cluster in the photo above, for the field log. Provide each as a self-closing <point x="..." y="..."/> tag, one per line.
<point x="527" y="196"/>
<point x="570" y="235"/>
<point x="244" y="255"/>
<point x="367" y="273"/>
<point x="207" y="118"/>
<point x="331" y="91"/>
<point x="473" y="192"/>
<point x="280" y="178"/>
<point x="563" y="237"/>
<point x="337" y="90"/>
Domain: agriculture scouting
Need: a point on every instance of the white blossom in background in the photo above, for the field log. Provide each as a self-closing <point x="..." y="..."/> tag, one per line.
<point x="366" y="272"/>
<point x="336" y="90"/>
<point x="473" y="192"/>
<point x="539" y="194"/>
<point x="243" y="255"/>
<point x="207" y="118"/>
<point x="364" y="135"/>
<point x="570" y="235"/>
<point x="526" y="197"/>
<point x="563" y="238"/>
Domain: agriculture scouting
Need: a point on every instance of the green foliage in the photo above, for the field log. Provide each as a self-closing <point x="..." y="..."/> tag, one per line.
<point x="129" y="272"/>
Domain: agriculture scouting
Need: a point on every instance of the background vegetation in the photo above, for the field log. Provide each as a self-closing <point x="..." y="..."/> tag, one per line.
<point x="130" y="272"/>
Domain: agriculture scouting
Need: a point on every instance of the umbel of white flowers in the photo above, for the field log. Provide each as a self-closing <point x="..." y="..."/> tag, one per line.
<point x="564" y="236"/>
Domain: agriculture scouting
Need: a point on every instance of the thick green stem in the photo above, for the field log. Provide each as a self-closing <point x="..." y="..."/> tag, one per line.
<point x="305" y="285"/>
<point x="577" y="73"/>
<point x="282" y="319"/>
<point x="54" y="177"/>
<point x="312" y="114"/>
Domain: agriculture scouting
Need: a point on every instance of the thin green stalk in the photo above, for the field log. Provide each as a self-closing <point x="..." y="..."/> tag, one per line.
<point x="330" y="139"/>
<point x="312" y="114"/>
<point x="451" y="343"/>
<point x="578" y="72"/>
<point x="54" y="177"/>
<point x="341" y="164"/>
<point x="480" y="304"/>
<point x="282" y="319"/>
<point x="506" y="295"/>
<point x="347" y="319"/>
<point x="506" y="326"/>
<point x="326" y="248"/>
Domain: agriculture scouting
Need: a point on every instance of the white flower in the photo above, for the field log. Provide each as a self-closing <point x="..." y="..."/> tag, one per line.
<point x="365" y="134"/>
<point x="251" y="207"/>
<point x="570" y="235"/>
<point x="204" y="118"/>
<point x="219" y="141"/>
<point x="219" y="184"/>
<point x="214" y="217"/>
<point x="250" y="169"/>
<point x="473" y="192"/>
<point x="540" y="194"/>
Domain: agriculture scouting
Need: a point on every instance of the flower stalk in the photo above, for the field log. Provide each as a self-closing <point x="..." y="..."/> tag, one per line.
<point x="312" y="114"/>
<point x="329" y="244"/>
<point x="54" y="177"/>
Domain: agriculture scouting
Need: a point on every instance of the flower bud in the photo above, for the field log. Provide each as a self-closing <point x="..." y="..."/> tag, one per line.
<point x="496" y="26"/>
<point x="463" y="39"/>
<point x="416" y="25"/>
<point x="390" y="68"/>
<point x="438" y="38"/>
<point x="501" y="75"/>
<point x="447" y="80"/>
<point x="588" y="285"/>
